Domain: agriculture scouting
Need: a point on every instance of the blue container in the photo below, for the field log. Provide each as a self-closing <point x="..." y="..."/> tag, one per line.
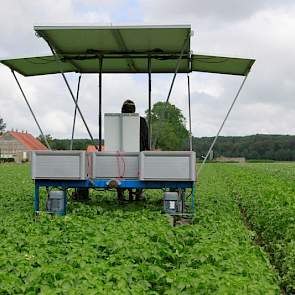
<point x="56" y="202"/>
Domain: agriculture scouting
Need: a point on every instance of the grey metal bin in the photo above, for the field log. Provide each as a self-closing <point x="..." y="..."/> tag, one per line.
<point x="167" y="166"/>
<point x="114" y="164"/>
<point x="59" y="165"/>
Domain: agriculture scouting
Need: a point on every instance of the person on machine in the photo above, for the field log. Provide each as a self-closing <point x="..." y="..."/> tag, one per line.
<point x="128" y="107"/>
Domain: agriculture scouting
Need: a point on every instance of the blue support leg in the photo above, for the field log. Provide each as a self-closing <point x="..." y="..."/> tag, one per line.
<point x="37" y="199"/>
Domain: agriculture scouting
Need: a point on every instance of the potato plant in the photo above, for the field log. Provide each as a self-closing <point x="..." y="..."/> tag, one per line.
<point x="266" y="195"/>
<point x="102" y="247"/>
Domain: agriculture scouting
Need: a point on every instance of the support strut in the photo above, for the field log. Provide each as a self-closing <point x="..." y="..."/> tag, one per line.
<point x="31" y="110"/>
<point x="189" y="114"/>
<point x="100" y="104"/>
<point x="75" y="113"/>
<point x="71" y="92"/>
<point x="170" y="89"/>
<point x="222" y="124"/>
<point x="150" y="102"/>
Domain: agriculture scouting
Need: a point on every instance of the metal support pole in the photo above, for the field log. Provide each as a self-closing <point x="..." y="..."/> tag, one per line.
<point x="36" y="197"/>
<point x="150" y="102"/>
<point x="189" y="114"/>
<point x="100" y="104"/>
<point x="170" y="89"/>
<point x="26" y="100"/>
<point x="71" y="92"/>
<point x="65" y="200"/>
<point x="221" y="127"/>
<point x="193" y="197"/>
<point x="75" y="113"/>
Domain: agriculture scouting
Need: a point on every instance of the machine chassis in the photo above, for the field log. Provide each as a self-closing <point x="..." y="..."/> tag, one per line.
<point x="105" y="184"/>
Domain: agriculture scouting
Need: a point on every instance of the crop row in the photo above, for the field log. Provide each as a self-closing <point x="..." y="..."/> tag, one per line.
<point x="102" y="247"/>
<point x="282" y="170"/>
<point x="267" y="198"/>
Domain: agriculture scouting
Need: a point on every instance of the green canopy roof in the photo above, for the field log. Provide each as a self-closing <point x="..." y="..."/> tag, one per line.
<point x="221" y="64"/>
<point x="43" y="65"/>
<point x="124" y="49"/>
<point x="116" y="39"/>
<point x="39" y="65"/>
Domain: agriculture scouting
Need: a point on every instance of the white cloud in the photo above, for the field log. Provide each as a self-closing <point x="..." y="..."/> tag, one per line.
<point x="263" y="31"/>
<point x="259" y="29"/>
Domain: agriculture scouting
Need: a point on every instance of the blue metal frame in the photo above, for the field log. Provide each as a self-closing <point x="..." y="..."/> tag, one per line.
<point x="104" y="183"/>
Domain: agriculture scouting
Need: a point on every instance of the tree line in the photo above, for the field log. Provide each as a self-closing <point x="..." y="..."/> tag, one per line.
<point x="256" y="147"/>
<point x="169" y="133"/>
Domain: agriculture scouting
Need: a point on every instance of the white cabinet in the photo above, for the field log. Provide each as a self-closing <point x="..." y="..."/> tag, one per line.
<point x="121" y="132"/>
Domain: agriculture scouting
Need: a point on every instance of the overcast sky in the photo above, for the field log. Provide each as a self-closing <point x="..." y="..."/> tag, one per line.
<point x="260" y="29"/>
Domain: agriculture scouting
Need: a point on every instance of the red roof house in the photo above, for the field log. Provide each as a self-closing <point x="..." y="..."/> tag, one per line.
<point x="13" y="142"/>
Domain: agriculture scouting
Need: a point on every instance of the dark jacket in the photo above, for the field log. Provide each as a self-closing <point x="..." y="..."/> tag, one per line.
<point x="144" y="135"/>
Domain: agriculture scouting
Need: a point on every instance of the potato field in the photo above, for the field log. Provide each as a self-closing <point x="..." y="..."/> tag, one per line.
<point x="242" y="240"/>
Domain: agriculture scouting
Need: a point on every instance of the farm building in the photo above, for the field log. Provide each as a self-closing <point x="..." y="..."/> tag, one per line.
<point x="231" y="159"/>
<point x="18" y="145"/>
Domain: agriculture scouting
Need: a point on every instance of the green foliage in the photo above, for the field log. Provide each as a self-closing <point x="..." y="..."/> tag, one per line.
<point x="48" y="138"/>
<point x="102" y="247"/>
<point x="2" y="126"/>
<point x="64" y="144"/>
<point x="6" y="160"/>
<point x="265" y="193"/>
<point x="260" y="161"/>
<point x="173" y="134"/>
<point x="259" y="147"/>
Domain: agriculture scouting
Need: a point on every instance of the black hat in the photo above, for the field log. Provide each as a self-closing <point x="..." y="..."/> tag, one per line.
<point x="128" y="107"/>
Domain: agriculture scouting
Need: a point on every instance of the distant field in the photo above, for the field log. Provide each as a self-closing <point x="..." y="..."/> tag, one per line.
<point x="242" y="241"/>
<point x="281" y="169"/>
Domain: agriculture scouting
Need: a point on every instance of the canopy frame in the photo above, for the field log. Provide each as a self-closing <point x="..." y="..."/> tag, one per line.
<point x="100" y="104"/>
<point x="75" y="112"/>
<point x="72" y="95"/>
<point x="52" y="45"/>
<point x="170" y="90"/>
<point x="223" y="123"/>
<point x="31" y="110"/>
<point x="189" y="113"/>
<point x="150" y="102"/>
<point x="70" y="62"/>
<point x="120" y="41"/>
<point x="126" y="62"/>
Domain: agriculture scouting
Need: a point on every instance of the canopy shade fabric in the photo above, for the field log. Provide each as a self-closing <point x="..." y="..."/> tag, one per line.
<point x="116" y="39"/>
<point x="39" y="65"/>
<point x="124" y="49"/>
<point x="136" y="65"/>
<point x="43" y="65"/>
<point x="221" y="64"/>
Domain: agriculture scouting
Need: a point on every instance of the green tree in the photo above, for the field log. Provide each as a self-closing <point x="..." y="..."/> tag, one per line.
<point x="173" y="134"/>
<point x="2" y="126"/>
<point x="48" y="137"/>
